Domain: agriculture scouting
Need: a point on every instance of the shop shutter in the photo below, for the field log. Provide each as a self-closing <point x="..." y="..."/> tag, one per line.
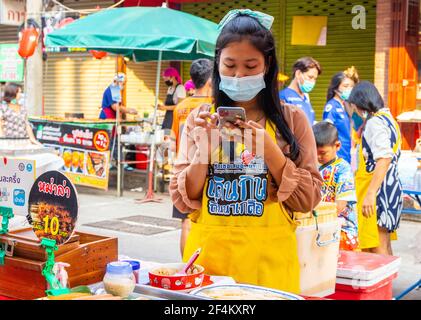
<point x="345" y="46"/>
<point x="75" y="82"/>
<point x="216" y="10"/>
<point x="8" y="34"/>
<point x="141" y="81"/>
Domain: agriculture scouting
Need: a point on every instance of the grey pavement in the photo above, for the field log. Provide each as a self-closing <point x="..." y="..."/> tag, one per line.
<point x="98" y="206"/>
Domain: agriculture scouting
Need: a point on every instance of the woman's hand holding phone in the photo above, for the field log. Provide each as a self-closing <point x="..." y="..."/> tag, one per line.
<point x="206" y="125"/>
<point x="253" y="135"/>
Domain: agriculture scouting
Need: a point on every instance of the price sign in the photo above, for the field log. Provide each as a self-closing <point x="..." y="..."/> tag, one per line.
<point x="53" y="207"/>
<point x="101" y="141"/>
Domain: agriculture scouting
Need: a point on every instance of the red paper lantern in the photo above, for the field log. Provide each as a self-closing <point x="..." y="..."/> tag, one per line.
<point x="98" y="54"/>
<point x="28" y="41"/>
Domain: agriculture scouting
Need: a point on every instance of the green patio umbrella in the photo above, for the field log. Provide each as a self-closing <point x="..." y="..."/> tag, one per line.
<point x="143" y="34"/>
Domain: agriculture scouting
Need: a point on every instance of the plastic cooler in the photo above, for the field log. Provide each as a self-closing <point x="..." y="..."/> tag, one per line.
<point x="318" y="250"/>
<point x="365" y="276"/>
<point x="142" y="155"/>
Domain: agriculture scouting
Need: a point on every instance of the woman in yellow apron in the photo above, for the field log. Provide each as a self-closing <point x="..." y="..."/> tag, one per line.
<point x="243" y="191"/>
<point x="379" y="191"/>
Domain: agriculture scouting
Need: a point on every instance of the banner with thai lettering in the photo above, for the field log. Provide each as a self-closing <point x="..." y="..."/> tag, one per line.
<point x="11" y="64"/>
<point x="16" y="179"/>
<point x="12" y="12"/>
<point x="84" y="147"/>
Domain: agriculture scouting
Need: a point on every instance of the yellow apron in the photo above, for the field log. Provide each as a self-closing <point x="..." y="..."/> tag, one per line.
<point x="244" y="233"/>
<point x="368" y="232"/>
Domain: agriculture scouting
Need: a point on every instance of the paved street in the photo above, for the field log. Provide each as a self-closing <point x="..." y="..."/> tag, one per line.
<point x="97" y="206"/>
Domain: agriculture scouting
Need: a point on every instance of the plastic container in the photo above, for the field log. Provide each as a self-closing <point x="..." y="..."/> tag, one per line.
<point x="142" y="155"/>
<point x="135" y="267"/>
<point x="365" y="276"/>
<point x="407" y="169"/>
<point x="381" y="290"/>
<point x="318" y="256"/>
<point x="366" y="266"/>
<point x="119" y="279"/>
<point x="318" y="250"/>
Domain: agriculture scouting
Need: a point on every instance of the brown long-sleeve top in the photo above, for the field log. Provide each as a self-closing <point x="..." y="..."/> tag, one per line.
<point x="300" y="188"/>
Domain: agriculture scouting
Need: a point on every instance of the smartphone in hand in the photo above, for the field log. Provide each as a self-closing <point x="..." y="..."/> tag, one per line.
<point x="230" y="115"/>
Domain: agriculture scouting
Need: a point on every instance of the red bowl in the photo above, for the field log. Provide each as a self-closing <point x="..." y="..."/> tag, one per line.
<point x="175" y="282"/>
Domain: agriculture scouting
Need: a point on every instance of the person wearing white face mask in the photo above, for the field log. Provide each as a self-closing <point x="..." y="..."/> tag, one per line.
<point x="305" y="72"/>
<point x="242" y="200"/>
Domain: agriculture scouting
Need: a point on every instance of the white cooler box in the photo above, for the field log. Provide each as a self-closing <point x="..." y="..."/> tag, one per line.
<point x="318" y="250"/>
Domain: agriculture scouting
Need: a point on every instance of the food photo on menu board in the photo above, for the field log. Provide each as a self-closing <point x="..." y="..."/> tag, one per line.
<point x="53" y="207"/>
<point x="74" y="160"/>
<point x="96" y="164"/>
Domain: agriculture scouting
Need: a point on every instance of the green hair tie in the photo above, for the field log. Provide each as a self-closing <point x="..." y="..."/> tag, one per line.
<point x="264" y="19"/>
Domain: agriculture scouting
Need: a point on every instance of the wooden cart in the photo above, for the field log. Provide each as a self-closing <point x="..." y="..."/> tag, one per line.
<point x="21" y="275"/>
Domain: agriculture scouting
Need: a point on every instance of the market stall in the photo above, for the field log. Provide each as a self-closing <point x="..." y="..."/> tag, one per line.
<point x="86" y="146"/>
<point x="56" y="262"/>
<point x="33" y="257"/>
<point x="160" y="36"/>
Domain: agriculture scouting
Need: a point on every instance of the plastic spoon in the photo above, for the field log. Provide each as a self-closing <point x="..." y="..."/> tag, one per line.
<point x="191" y="261"/>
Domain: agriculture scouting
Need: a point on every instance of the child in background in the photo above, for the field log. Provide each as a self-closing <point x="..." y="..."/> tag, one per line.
<point x="338" y="182"/>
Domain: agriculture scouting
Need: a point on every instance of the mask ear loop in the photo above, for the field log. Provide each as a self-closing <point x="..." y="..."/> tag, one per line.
<point x="302" y="78"/>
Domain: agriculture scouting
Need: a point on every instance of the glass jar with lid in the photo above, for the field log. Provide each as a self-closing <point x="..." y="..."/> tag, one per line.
<point x="119" y="279"/>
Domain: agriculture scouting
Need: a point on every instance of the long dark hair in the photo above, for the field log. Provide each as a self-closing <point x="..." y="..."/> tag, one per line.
<point x="366" y="97"/>
<point x="245" y="27"/>
<point x="335" y="82"/>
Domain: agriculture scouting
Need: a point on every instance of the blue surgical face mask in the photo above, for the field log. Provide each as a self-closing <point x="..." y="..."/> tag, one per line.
<point x="344" y="95"/>
<point x="242" y="89"/>
<point x="307" y="85"/>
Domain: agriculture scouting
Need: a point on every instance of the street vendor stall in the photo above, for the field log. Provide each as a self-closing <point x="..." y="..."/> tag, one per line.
<point x="85" y="145"/>
<point x="142" y="34"/>
<point x="32" y="258"/>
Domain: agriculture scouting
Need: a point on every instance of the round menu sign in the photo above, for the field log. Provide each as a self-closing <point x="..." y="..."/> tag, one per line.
<point x="101" y="141"/>
<point x="53" y="207"/>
